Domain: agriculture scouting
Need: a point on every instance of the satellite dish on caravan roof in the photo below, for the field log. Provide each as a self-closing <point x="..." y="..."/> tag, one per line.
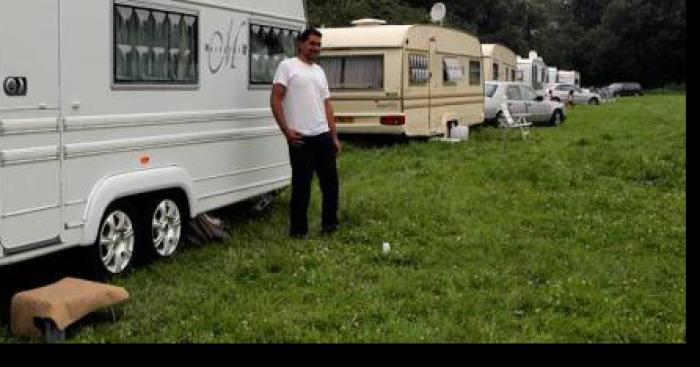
<point x="438" y="13"/>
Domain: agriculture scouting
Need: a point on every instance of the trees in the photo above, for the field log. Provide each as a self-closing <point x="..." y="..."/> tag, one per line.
<point x="339" y="13"/>
<point x="607" y="40"/>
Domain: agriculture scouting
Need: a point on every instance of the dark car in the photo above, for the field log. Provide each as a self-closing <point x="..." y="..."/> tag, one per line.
<point x="625" y="89"/>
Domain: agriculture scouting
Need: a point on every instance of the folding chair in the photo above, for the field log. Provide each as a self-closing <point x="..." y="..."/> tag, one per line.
<point x="517" y="121"/>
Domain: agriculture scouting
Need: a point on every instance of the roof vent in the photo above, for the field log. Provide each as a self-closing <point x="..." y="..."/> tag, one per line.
<point x="368" y="22"/>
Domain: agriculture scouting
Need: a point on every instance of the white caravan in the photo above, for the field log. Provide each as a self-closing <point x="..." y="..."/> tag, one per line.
<point x="570" y="77"/>
<point x="120" y="119"/>
<point x="532" y="71"/>
<point x="552" y="75"/>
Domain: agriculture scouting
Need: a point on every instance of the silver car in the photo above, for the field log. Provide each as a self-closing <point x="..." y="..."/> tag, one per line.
<point x="560" y="92"/>
<point x="521" y="99"/>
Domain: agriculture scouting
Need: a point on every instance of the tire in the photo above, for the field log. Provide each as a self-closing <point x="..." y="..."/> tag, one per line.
<point x="116" y="246"/>
<point x="594" y="102"/>
<point x="557" y="118"/>
<point x="498" y="119"/>
<point x="164" y="227"/>
<point x="616" y="95"/>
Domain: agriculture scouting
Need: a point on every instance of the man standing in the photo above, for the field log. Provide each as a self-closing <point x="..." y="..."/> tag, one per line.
<point x="301" y="105"/>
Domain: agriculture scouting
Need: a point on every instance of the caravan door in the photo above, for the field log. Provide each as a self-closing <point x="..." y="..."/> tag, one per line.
<point x="30" y="205"/>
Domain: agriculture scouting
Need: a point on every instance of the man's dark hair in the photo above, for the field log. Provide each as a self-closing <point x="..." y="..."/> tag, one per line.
<point x="305" y="35"/>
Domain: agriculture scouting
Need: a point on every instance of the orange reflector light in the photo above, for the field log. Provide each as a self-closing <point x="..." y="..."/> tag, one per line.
<point x="144" y="160"/>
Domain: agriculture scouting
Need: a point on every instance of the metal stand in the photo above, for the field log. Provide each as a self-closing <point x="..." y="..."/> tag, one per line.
<point x="51" y="332"/>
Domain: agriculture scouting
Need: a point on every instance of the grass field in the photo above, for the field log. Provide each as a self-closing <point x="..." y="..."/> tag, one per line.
<point x="575" y="236"/>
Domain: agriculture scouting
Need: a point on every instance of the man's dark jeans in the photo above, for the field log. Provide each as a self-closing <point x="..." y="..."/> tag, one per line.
<point x="316" y="154"/>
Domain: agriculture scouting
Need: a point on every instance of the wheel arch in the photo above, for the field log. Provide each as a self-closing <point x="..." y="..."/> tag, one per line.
<point x="124" y="186"/>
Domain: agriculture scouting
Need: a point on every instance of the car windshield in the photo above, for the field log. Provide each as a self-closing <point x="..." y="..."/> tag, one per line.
<point x="491" y="90"/>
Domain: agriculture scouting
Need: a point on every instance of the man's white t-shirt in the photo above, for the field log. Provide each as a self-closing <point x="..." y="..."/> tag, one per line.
<point x="307" y="90"/>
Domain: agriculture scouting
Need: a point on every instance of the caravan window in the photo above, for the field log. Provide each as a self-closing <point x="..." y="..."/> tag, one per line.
<point x="418" y="69"/>
<point x="474" y="72"/>
<point x="452" y="71"/>
<point x="269" y="46"/>
<point x="495" y="71"/>
<point x="155" y="47"/>
<point x="354" y="72"/>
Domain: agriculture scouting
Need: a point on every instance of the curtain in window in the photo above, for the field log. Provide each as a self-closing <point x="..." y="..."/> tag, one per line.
<point x="189" y="72"/>
<point x="175" y="42"/>
<point x="364" y="72"/>
<point x="122" y="24"/>
<point x="453" y="70"/>
<point x="419" y="72"/>
<point x="154" y="46"/>
<point x="474" y="73"/>
<point x="269" y="46"/>
<point x="160" y="46"/>
<point x="333" y="66"/>
<point x="288" y="40"/>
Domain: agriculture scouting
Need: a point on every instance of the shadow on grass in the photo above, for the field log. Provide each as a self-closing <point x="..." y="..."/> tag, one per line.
<point x="368" y="141"/>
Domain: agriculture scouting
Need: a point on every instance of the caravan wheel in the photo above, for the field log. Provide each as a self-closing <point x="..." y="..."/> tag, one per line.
<point x="166" y="228"/>
<point x="115" y="243"/>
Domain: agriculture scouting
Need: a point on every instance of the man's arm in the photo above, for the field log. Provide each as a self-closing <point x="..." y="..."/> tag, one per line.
<point x="330" y="117"/>
<point x="276" y="98"/>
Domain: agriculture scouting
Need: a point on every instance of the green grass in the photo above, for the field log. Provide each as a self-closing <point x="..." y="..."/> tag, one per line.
<point x="575" y="236"/>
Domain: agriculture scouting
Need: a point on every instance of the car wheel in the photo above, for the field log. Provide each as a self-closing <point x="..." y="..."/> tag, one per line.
<point x="594" y="101"/>
<point x="557" y="118"/>
<point x="165" y="223"/>
<point x="116" y="241"/>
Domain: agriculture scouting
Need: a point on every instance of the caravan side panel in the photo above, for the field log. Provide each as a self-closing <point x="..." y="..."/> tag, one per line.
<point x="219" y="130"/>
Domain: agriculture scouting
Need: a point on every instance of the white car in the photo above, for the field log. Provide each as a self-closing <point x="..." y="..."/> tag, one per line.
<point x="521" y="99"/>
<point x="561" y="91"/>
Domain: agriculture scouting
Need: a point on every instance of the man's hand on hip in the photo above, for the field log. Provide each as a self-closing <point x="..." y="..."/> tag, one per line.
<point x="338" y="145"/>
<point x="294" y="137"/>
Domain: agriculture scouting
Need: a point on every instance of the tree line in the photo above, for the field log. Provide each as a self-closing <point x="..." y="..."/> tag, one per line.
<point x="606" y="40"/>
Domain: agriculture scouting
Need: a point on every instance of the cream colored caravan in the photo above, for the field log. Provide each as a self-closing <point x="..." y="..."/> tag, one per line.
<point x="500" y="63"/>
<point x="413" y="80"/>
